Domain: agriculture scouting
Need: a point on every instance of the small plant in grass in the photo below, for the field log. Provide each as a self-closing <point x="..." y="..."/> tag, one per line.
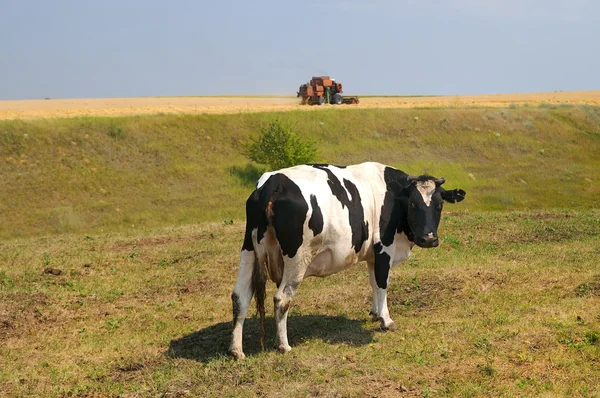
<point x="116" y="132"/>
<point x="592" y="337"/>
<point x="163" y="262"/>
<point x="416" y="284"/>
<point x="5" y="280"/>
<point x="278" y="146"/>
<point x="112" y="324"/>
<point x="483" y="344"/>
<point x="487" y="370"/>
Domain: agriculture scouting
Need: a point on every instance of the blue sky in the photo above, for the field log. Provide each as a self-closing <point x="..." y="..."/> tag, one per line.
<point x="80" y="48"/>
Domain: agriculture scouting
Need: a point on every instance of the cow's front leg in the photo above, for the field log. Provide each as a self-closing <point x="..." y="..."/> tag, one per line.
<point x="383" y="264"/>
<point x="386" y="323"/>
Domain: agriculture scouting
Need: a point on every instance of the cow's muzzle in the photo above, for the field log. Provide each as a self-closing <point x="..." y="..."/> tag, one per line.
<point x="427" y="241"/>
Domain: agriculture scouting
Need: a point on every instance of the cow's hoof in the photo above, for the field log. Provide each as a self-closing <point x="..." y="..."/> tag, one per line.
<point x="389" y="327"/>
<point x="238" y="354"/>
<point x="374" y="316"/>
<point x="284" y="348"/>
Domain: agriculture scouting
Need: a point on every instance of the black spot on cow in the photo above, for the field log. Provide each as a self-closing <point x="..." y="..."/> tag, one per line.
<point x="278" y="202"/>
<point x="252" y="219"/>
<point x="395" y="206"/>
<point x="360" y="229"/>
<point x="334" y="184"/>
<point x="382" y="266"/>
<point x="387" y="220"/>
<point x="316" y="220"/>
<point x="356" y="214"/>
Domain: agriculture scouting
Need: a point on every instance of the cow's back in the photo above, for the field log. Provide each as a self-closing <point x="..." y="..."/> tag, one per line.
<point x="326" y="213"/>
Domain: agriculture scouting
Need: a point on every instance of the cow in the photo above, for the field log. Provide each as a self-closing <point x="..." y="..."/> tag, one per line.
<point x="319" y="219"/>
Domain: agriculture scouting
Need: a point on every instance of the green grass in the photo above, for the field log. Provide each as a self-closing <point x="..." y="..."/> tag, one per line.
<point x="508" y="305"/>
<point x="115" y="174"/>
<point x="119" y="244"/>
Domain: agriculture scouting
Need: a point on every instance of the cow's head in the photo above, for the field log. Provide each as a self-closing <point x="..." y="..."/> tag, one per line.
<point x="422" y="201"/>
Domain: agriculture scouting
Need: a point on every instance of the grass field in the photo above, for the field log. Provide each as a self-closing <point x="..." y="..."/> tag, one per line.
<point x="120" y="238"/>
<point x="509" y="305"/>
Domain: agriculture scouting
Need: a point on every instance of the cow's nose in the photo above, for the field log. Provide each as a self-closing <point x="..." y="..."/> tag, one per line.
<point x="429" y="240"/>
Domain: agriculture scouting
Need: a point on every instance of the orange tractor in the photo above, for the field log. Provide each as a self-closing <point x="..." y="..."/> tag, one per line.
<point x="322" y="90"/>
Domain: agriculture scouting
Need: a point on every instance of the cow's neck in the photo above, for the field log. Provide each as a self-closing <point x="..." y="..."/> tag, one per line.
<point x="400" y="178"/>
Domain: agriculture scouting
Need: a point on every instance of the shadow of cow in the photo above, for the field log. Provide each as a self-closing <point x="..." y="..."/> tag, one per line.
<point x="212" y="342"/>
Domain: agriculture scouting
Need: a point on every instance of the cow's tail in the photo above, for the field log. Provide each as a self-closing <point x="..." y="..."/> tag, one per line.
<point x="259" y="285"/>
<point x="259" y="274"/>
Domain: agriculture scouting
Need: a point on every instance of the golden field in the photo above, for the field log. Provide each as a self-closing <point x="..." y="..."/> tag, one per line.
<point x="32" y="109"/>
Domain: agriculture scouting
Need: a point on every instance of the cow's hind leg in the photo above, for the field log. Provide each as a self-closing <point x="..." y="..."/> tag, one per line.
<point x="374" y="304"/>
<point x="240" y="298"/>
<point x="293" y="274"/>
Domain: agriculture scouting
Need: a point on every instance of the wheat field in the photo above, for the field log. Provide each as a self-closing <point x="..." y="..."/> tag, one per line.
<point x="51" y="108"/>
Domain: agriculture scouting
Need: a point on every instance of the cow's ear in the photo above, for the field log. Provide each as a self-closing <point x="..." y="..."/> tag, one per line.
<point x="454" y="195"/>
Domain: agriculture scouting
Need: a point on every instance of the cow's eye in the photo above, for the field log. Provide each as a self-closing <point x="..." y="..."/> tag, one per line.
<point x="413" y="205"/>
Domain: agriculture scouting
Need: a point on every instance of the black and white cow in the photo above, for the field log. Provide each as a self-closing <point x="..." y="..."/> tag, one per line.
<point x="316" y="220"/>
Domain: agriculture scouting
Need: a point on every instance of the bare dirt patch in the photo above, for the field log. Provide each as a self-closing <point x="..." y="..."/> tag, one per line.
<point x="426" y="292"/>
<point x="33" y="109"/>
<point x="22" y="311"/>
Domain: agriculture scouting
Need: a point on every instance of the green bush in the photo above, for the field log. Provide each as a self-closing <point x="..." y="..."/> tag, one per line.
<point x="116" y="132"/>
<point x="278" y="147"/>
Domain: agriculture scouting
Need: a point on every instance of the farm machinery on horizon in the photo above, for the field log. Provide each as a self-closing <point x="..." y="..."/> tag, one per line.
<point x="321" y="90"/>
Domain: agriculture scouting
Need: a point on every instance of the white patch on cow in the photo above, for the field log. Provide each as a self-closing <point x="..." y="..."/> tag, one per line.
<point x="403" y="248"/>
<point x="263" y="178"/>
<point x="426" y="189"/>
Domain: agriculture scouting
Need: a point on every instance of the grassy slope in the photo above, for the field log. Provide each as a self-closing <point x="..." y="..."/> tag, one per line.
<point x="91" y="174"/>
